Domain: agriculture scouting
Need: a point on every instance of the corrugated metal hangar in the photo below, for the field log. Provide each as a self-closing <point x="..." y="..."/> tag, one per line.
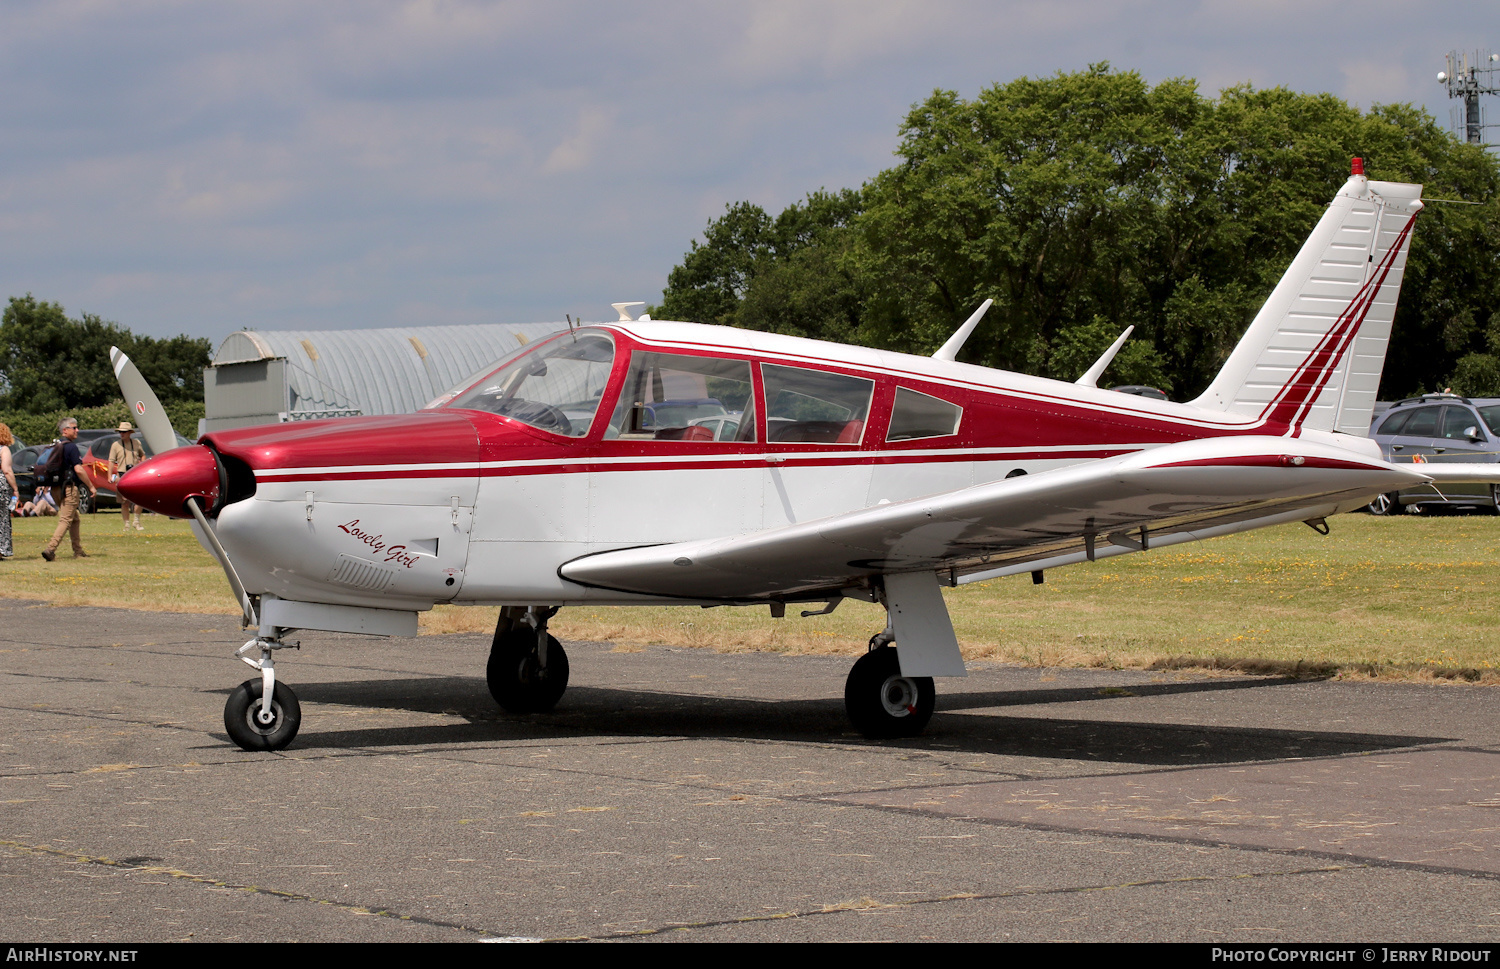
<point x="271" y="376"/>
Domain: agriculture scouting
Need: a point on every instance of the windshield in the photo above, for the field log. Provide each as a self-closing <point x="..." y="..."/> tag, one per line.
<point x="1491" y="415"/>
<point x="555" y="387"/>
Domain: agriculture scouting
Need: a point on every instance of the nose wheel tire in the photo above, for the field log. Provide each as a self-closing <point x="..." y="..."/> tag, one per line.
<point x="1388" y="504"/>
<point x="881" y="703"/>
<point x="246" y="727"/>
<point x="517" y="679"/>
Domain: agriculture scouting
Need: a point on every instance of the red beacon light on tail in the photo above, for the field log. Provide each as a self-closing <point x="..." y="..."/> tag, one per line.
<point x="1356" y="166"/>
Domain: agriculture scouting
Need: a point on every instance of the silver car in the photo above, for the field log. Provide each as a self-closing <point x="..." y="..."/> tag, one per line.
<point x="1439" y="429"/>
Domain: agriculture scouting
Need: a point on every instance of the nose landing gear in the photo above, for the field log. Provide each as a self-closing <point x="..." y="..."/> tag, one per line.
<point x="252" y="726"/>
<point x="262" y="714"/>
<point x="528" y="669"/>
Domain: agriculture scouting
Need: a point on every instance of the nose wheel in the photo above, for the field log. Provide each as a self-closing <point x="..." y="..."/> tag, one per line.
<point x="528" y="669"/>
<point x="881" y="703"/>
<point x="255" y="725"/>
<point x="262" y="713"/>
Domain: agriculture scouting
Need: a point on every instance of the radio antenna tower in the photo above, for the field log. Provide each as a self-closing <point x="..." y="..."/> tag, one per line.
<point x="1467" y="77"/>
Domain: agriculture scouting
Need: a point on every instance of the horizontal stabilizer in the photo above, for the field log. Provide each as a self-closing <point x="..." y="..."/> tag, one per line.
<point x="1466" y="472"/>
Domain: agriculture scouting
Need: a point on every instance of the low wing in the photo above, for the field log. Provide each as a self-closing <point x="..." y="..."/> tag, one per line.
<point x="1177" y="493"/>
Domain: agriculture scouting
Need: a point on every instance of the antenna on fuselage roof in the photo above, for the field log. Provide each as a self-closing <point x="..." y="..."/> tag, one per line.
<point x="572" y="330"/>
<point x="1091" y="377"/>
<point x="949" y="350"/>
<point x="624" y="310"/>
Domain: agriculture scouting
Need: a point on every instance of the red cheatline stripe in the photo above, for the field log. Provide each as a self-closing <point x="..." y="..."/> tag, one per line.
<point x="291" y="476"/>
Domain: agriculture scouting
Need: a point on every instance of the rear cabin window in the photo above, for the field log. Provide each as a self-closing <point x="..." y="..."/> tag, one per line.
<point x="557" y="387"/>
<point x="672" y="397"/>
<point x="815" y="407"/>
<point x="915" y="415"/>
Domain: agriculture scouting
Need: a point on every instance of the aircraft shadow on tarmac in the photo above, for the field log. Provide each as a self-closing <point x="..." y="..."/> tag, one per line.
<point x="625" y="712"/>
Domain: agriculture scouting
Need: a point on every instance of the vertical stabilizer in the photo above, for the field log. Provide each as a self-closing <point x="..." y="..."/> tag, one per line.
<point x="1312" y="356"/>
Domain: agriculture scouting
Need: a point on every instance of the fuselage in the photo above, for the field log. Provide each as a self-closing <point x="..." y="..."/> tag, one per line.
<point x="678" y="432"/>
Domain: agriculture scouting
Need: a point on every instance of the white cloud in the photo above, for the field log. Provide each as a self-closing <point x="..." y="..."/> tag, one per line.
<point x="584" y="145"/>
<point x="185" y="166"/>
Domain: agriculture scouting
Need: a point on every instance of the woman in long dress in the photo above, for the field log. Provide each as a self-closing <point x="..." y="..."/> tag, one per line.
<point x="8" y="490"/>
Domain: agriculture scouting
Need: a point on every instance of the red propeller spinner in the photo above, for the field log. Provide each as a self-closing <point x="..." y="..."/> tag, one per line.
<point x="165" y="483"/>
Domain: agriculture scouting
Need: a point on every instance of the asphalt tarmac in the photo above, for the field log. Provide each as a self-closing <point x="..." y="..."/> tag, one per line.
<point x="686" y="795"/>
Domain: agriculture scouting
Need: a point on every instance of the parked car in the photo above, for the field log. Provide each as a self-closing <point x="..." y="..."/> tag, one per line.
<point x="96" y="463"/>
<point x="1439" y="429"/>
<point x="1141" y="390"/>
<point x="23" y="463"/>
<point x="679" y="413"/>
<point x="725" y="427"/>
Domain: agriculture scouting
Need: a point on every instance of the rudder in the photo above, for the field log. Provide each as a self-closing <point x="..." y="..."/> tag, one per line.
<point x="1313" y="354"/>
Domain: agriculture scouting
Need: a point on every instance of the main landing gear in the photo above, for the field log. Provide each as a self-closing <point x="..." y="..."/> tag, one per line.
<point x="262" y="714"/>
<point x="881" y="703"/>
<point x="889" y="694"/>
<point x="528" y="669"/>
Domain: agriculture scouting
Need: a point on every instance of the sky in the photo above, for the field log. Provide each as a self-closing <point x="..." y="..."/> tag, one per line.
<point x="198" y="168"/>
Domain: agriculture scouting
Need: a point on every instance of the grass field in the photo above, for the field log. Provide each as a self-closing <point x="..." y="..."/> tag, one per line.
<point x="1389" y="597"/>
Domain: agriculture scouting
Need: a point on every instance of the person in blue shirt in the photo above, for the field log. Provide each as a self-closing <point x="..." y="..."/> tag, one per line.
<point x="68" y="520"/>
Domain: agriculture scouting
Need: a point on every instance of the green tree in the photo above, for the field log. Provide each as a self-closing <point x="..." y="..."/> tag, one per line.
<point x="51" y="362"/>
<point x="791" y="263"/>
<point x="1085" y="202"/>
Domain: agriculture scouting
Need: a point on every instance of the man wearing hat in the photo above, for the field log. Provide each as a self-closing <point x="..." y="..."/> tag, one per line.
<point x="125" y="454"/>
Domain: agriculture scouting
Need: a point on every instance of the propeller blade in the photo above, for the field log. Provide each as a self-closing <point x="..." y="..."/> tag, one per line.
<point x="155" y="427"/>
<point x="145" y="409"/>
<point x="207" y="537"/>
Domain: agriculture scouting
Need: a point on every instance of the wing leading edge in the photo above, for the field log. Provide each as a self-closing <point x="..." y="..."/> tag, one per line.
<point x="1171" y="494"/>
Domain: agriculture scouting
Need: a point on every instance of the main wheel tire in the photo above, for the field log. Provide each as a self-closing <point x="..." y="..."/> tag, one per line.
<point x="242" y="720"/>
<point x="1387" y="504"/>
<point x="518" y="681"/>
<point x="881" y="703"/>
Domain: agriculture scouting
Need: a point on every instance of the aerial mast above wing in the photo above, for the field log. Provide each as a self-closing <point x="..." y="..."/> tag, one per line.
<point x="949" y="350"/>
<point x="1091" y="378"/>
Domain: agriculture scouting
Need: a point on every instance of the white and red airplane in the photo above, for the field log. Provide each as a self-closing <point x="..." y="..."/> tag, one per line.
<point x="645" y="462"/>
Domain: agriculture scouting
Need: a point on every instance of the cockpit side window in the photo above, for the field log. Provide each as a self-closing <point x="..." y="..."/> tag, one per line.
<point x="557" y="387"/>
<point x="814" y="406"/>
<point x="674" y="397"/>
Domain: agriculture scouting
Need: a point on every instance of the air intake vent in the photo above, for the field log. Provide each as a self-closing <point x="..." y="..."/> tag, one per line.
<point x="361" y="574"/>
